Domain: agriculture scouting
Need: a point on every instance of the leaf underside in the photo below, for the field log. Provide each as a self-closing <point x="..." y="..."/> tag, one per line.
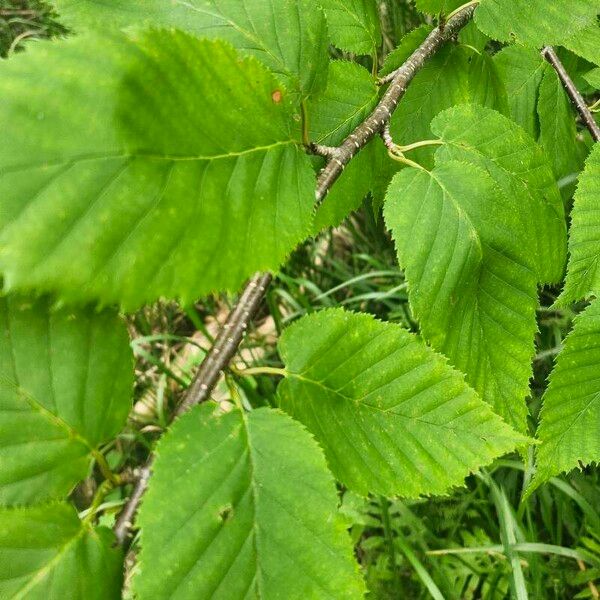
<point x="65" y="387"/>
<point x="259" y="521"/>
<point x="142" y="185"/>
<point x="391" y="415"/>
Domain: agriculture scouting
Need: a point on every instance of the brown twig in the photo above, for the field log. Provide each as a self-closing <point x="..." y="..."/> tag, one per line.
<point x="582" y="108"/>
<point x="219" y="356"/>
<point x="125" y="519"/>
<point x="226" y="343"/>
<point x="231" y="334"/>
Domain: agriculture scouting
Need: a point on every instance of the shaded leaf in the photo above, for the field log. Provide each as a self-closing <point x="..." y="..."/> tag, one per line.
<point x="391" y="415"/>
<point x="593" y="78"/>
<point x="471" y="281"/>
<point x="288" y="36"/>
<point x="350" y="97"/>
<point x="558" y="131"/>
<point x="66" y="380"/>
<point x="470" y="35"/>
<point x="353" y="185"/>
<point x="47" y="553"/>
<point x="260" y="519"/>
<point x="408" y="44"/>
<point x="521" y="70"/>
<point x="583" y="272"/>
<point x="535" y="23"/>
<point x="122" y="203"/>
<point x="569" y="428"/>
<point x="353" y="25"/>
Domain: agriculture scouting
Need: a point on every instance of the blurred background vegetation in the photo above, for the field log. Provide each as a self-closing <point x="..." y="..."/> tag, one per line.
<point x="25" y="20"/>
<point x="476" y="543"/>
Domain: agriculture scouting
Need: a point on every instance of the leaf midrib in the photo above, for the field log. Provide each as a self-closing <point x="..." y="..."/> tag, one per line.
<point x="358" y="402"/>
<point x="252" y="469"/>
<point x="29" y="400"/>
<point x="140" y="154"/>
<point x="44" y="570"/>
<point x="255" y="501"/>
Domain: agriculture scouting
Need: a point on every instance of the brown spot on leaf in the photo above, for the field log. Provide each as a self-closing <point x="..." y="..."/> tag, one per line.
<point x="277" y="96"/>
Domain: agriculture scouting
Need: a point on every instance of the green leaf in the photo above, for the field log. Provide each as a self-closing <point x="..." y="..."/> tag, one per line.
<point x="167" y="167"/>
<point x="586" y="42"/>
<point x="558" y="130"/>
<point x="435" y="7"/>
<point x="351" y="95"/>
<point x="66" y="379"/>
<point x="471" y="281"/>
<point x="288" y="36"/>
<point x="583" y="272"/>
<point x="47" y="553"/>
<point x="256" y="513"/>
<point x="369" y="172"/>
<point x="571" y="407"/>
<point x="455" y="75"/>
<point x="357" y="180"/>
<point x="353" y="25"/>
<point x="391" y="415"/>
<point x="408" y="44"/>
<point x="535" y="23"/>
<point x="521" y="170"/>
<point x="470" y="35"/>
<point x="521" y="70"/>
<point x="593" y="78"/>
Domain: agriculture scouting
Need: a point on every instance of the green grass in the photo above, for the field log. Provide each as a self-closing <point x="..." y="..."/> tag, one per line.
<point x="22" y="21"/>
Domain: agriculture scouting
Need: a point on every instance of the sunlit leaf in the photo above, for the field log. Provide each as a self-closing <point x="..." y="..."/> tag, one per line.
<point x="260" y="519"/>
<point x="391" y="415"/>
<point x="140" y="174"/>
<point x="66" y="380"/>
<point x="47" y="553"/>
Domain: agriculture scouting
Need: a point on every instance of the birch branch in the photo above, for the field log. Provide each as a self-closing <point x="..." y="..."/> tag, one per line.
<point x="582" y="108"/>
